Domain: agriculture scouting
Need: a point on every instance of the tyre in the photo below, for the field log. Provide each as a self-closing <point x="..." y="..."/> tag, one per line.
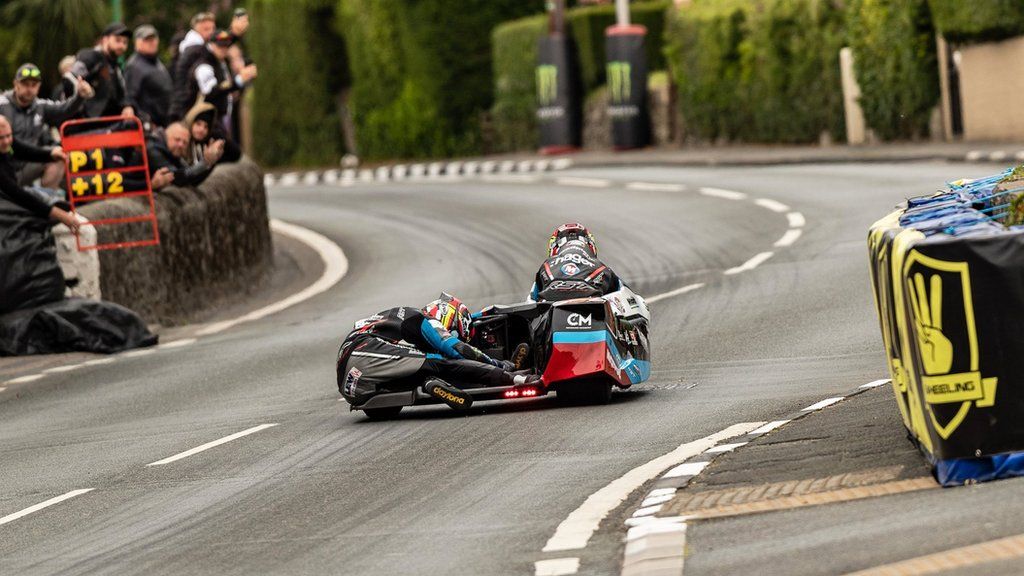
<point x="382" y="413"/>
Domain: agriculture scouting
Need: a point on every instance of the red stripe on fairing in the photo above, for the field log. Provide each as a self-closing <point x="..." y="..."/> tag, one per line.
<point x="596" y="272"/>
<point x="569" y="361"/>
<point x="547" y="268"/>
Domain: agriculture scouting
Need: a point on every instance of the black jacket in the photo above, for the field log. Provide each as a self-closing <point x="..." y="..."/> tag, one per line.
<point x="31" y="125"/>
<point x="149" y="88"/>
<point x="160" y="157"/>
<point x="573" y="274"/>
<point x="106" y="78"/>
<point x="182" y="74"/>
<point x="220" y="96"/>
<point x="9" y="187"/>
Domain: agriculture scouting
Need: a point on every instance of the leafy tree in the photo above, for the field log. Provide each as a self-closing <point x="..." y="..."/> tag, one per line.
<point x="46" y="30"/>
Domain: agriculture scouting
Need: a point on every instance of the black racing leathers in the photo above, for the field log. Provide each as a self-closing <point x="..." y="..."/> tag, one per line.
<point x="399" y="348"/>
<point x="573" y="274"/>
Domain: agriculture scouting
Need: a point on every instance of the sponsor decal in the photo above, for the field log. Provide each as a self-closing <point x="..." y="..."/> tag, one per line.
<point x="619" y="82"/>
<point x="401" y="314"/>
<point x="351" y="380"/>
<point x="570" y="269"/>
<point x="577" y="320"/>
<point x="446" y="395"/>
<point x="574" y="258"/>
<point x="547" y="84"/>
<point x="569" y="285"/>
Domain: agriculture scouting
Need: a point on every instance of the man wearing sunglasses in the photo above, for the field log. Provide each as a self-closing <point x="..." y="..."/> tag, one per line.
<point x="31" y="118"/>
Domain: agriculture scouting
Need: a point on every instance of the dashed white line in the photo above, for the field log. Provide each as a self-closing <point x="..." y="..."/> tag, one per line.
<point x="796" y="220"/>
<point x="575" y="531"/>
<point x="654" y="500"/>
<point x="561" y="164"/>
<point x="25" y="379"/>
<point x="791" y="236"/>
<point x="209" y="445"/>
<point x="876" y="383"/>
<point x="41" y="505"/>
<point x="676" y="292"/>
<point x="754" y="262"/>
<point x="997" y="156"/>
<point x="719" y="193"/>
<point x="556" y="567"/>
<point x="723" y="448"/>
<point x="772" y="205"/>
<point x="974" y="155"/>
<point x="770" y="426"/>
<point x="586" y="182"/>
<point x="823" y="403"/>
<point x="655" y="187"/>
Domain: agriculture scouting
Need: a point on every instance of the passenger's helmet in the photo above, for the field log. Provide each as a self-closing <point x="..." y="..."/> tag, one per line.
<point x="452" y="314"/>
<point x="571" y="234"/>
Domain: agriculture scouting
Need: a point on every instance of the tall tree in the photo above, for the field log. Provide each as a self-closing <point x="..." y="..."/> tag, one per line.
<point x="43" y="31"/>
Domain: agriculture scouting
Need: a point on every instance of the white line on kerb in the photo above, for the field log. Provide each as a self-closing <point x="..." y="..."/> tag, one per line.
<point x="876" y="383"/>
<point x="335" y="268"/>
<point x="556" y="566"/>
<point x="25" y="379"/>
<point x="177" y="343"/>
<point x="41" y="505"/>
<point x="823" y="403"/>
<point x="719" y="193"/>
<point x="796" y="220"/>
<point x="213" y="444"/>
<point x="770" y="426"/>
<point x="791" y="236"/>
<point x="772" y="205"/>
<point x="676" y="292"/>
<point x="686" y="469"/>
<point x="588" y="182"/>
<point x="655" y="187"/>
<point x="575" y="531"/>
<point x="754" y="262"/>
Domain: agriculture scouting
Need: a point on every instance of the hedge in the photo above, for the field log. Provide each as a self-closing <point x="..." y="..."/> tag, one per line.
<point x="977" y="21"/>
<point x="894" y="51"/>
<point x="294" y="116"/>
<point x="758" y="71"/>
<point x="515" y="60"/>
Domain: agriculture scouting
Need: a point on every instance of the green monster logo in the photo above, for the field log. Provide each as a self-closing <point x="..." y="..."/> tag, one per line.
<point x="619" y="81"/>
<point x="547" y="84"/>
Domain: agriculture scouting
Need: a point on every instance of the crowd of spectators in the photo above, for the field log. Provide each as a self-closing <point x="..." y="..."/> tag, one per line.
<point x="188" y="108"/>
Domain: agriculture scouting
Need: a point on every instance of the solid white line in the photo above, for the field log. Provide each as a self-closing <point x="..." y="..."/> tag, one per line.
<point x="137" y="353"/>
<point x="556" y="566"/>
<point x="686" y="469"/>
<point x="772" y="205"/>
<point x="876" y="383"/>
<point x="335" y="268"/>
<point x="2" y="388"/>
<point x="722" y="448"/>
<point x="751" y="264"/>
<point x="177" y="343"/>
<point x="791" y="236"/>
<point x="510" y="178"/>
<point x="676" y="292"/>
<point x="59" y="369"/>
<point x="719" y="193"/>
<point x="99" y="361"/>
<point x="209" y="445"/>
<point x="575" y="531"/>
<point x="41" y="505"/>
<point x="823" y="403"/>
<point x="655" y="187"/>
<point x="770" y="426"/>
<point x="587" y="182"/>
<point x="796" y="220"/>
<point x="25" y="379"/>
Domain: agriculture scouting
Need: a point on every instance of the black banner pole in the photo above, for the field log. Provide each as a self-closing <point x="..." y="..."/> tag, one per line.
<point x="560" y="106"/>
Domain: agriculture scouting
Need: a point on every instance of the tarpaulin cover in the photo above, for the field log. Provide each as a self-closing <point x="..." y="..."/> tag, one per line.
<point x="957" y="472"/>
<point x="29" y="273"/>
<point x="73" y="325"/>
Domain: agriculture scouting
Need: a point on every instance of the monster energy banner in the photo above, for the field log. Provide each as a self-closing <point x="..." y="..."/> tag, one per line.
<point x="627" y="86"/>
<point x="558" y="95"/>
<point x="952" y="315"/>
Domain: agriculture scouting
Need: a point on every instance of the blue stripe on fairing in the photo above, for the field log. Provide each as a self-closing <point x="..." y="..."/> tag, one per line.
<point x="586" y="337"/>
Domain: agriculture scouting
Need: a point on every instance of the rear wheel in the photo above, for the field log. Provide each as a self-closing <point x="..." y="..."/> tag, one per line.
<point x="599" y="392"/>
<point x="382" y="413"/>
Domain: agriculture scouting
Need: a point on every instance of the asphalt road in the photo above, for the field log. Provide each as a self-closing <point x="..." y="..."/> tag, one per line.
<point x="437" y="492"/>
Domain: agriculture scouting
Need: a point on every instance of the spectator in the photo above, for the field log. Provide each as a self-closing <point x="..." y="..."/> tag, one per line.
<point x="167" y="150"/>
<point x="188" y="51"/>
<point x="238" y="61"/>
<point x="30" y="118"/>
<point x="101" y="67"/>
<point x="201" y="121"/>
<point x="64" y="66"/>
<point x="211" y="79"/>
<point x="41" y="203"/>
<point x="148" y="81"/>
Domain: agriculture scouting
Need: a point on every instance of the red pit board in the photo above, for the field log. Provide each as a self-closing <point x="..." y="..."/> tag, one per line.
<point x="103" y="164"/>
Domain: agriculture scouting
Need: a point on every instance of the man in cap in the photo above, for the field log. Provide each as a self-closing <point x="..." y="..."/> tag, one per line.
<point x="40" y="203"/>
<point x="30" y="118"/>
<point x="148" y="81"/>
<point x="211" y="78"/>
<point x="100" y="66"/>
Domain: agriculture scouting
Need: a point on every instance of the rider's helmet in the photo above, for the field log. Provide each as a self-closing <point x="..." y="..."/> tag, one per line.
<point x="452" y="314"/>
<point x="571" y="234"/>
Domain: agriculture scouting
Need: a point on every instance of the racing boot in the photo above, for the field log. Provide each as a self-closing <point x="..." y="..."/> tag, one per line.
<point x="520" y="355"/>
<point x="529" y="385"/>
<point x="450" y="395"/>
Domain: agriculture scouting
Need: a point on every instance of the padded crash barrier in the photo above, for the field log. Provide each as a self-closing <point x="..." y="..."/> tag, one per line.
<point x="948" y="278"/>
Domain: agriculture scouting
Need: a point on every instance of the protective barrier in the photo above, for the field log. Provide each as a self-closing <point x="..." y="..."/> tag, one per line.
<point x="948" y="280"/>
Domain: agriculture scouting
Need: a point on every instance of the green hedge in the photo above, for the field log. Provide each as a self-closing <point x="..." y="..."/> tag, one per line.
<point x="894" y="48"/>
<point x="758" y="71"/>
<point x="515" y="60"/>
<point x="978" y="20"/>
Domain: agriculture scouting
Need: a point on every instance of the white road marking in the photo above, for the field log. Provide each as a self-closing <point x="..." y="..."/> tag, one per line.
<point x="99" y="361"/>
<point x="25" y="379"/>
<point x="335" y="268"/>
<point x="178" y="343"/>
<point x="796" y="220"/>
<point x="561" y="164"/>
<point x="721" y="449"/>
<point x="791" y="236"/>
<point x="1019" y="155"/>
<point x="648" y="511"/>
<point x="311" y="178"/>
<point x="823" y="403"/>
<point x="60" y="369"/>
<point x="512" y="178"/>
<point x="137" y="353"/>
<point x="751" y="264"/>
<point x="656" y="526"/>
<point x="772" y="205"/>
<point x="655" y="187"/>
<point x="719" y="193"/>
<point x="997" y="156"/>
<point x="2" y="388"/>
<point x="209" y="445"/>
<point x="290" y="179"/>
<point x="41" y="505"/>
<point x="653" y="500"/>
<point x="676" y="292"/>
<point x="661" y="491"/>
<point x="770" y="426"/>
<point x="541" y="165"/>
<point x="556" y="566"/>
<point x="575" y="531"/>
<point x="974" y="155"/>
<point x="686" y="469"/>
<point x="876" y="383"/>
<point x="586" y="182"/>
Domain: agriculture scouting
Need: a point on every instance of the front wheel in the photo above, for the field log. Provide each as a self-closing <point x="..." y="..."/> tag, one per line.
<point x="382" y="413"/>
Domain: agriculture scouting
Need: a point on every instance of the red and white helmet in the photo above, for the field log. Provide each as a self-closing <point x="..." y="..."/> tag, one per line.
<point x="572" y="232"/>
<point x="452" y="314"/>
